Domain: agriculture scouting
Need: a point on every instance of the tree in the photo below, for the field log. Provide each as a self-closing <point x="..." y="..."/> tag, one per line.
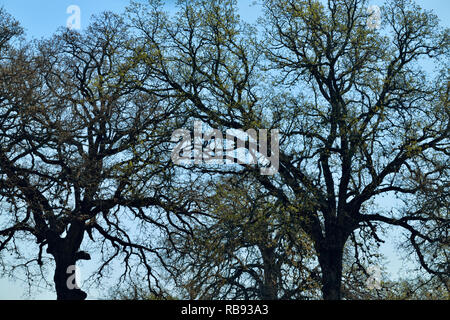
<point x="86" y="122"/>
<point x="383" y="127"/>
<point x="82" y="152"/>
<point x="419" y="288"/>
<point x="246" y="248"/>
<point x="359" y="118"/>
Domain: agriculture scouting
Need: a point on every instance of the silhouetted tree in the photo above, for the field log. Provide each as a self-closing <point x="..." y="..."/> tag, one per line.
<point x="82" y="151"/>
<point x="359" y="118"/>
<point x="247" y="248"/>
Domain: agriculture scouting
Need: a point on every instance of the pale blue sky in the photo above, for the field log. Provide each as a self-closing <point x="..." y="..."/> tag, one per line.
<point x="42" y="18"/>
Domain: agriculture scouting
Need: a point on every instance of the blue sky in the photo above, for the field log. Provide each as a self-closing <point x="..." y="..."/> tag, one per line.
<point x="42" y="18"/>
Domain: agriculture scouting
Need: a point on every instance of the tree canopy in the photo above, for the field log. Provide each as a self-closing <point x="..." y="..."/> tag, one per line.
<point x="86" y="147"/>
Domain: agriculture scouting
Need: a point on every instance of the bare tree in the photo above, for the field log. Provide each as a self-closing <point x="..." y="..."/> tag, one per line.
<point x="83" y="152"/>
<point x="248" y="248"/>
<point x="359" y="118"/>
<point x="86" y="121"/>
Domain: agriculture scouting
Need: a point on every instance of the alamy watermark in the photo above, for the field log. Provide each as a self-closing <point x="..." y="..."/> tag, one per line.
<point x="374" y="19"/>
<point x="74" y="20"/>
<point x="374" y="280"/>
<point x="74" y="280"/>
<point x="243" y="147"/>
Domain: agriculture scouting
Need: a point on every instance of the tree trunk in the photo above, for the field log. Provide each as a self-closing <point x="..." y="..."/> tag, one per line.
<point x="66" y="254"/>
<point x="330" y="259"/>
<point x="66" y="288"/>
<point x="269" y="290"/>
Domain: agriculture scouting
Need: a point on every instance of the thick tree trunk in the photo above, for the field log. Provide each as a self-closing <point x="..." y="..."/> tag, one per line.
<point x="66" y="254"/>
<point x="330" y="259"/>
<point x="269" y="290"/>
<point x="65" y="285"/>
